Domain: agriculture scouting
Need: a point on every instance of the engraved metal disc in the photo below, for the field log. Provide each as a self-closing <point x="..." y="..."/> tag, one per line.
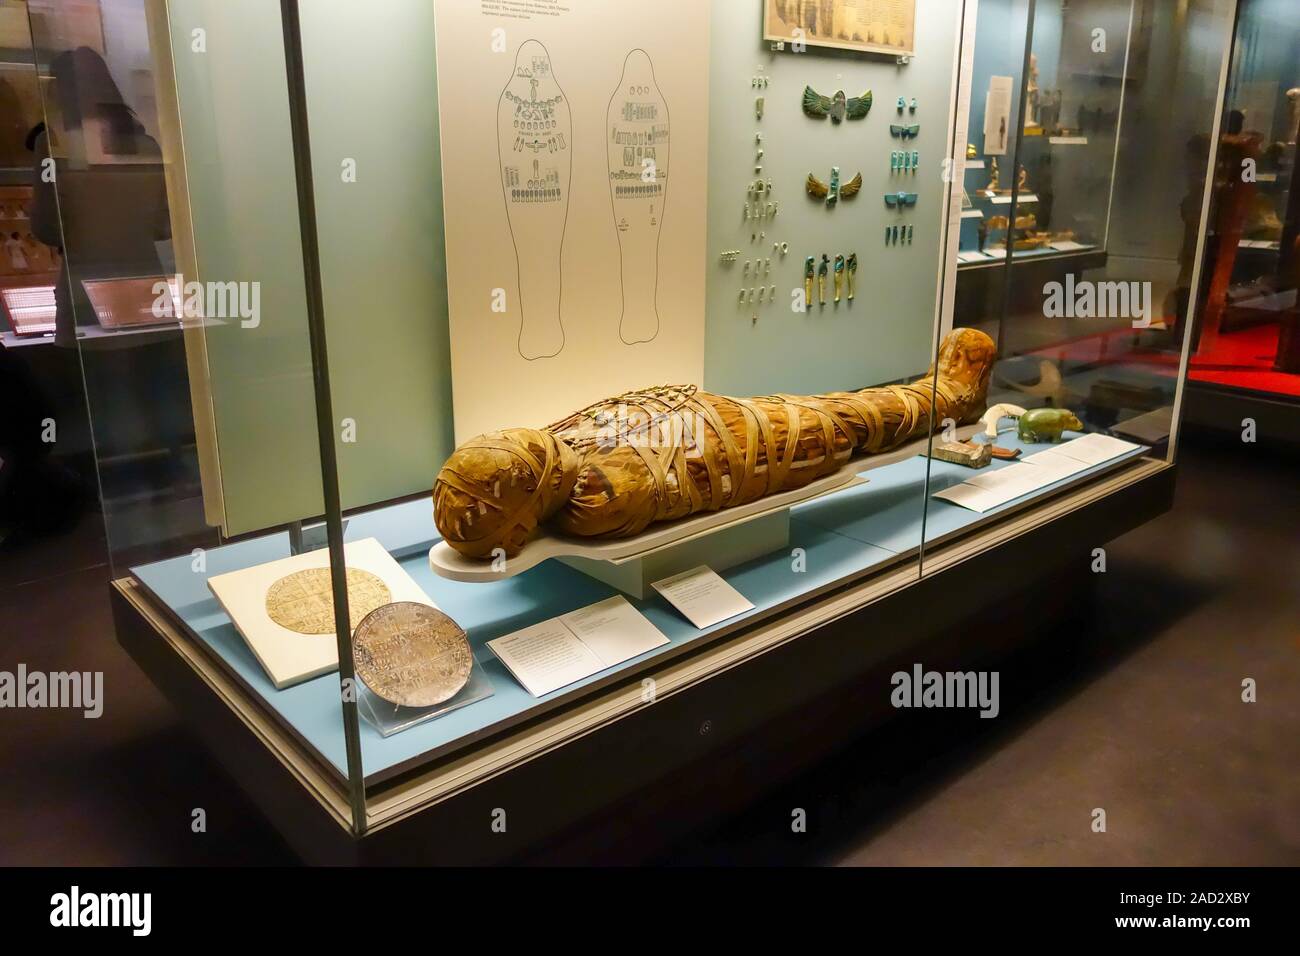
<point x="412" y="655"/>
<point x="304" y="601"/>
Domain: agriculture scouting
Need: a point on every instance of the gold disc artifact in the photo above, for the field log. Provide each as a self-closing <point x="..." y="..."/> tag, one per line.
<point x="304" y="602"/>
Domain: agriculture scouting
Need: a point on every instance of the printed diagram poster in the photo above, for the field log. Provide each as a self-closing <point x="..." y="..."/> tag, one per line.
<point x="574" y="157"/>
<point x="872" y="26"/>
<point x="997" y="116"/>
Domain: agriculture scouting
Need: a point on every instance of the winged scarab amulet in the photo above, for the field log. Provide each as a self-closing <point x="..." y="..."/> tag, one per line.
<point x="833" y="191"/>
<point x="900" y="199"/>
<point x="837" y="107"/>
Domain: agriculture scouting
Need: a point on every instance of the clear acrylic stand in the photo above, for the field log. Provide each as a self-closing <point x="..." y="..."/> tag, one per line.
<point x="389" y="718"/>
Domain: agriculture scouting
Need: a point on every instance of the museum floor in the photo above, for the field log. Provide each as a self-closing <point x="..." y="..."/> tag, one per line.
<point x="1146" y="721"/>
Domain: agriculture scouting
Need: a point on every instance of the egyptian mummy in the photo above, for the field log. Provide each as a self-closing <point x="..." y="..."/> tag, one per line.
<point x="662" y="454"/>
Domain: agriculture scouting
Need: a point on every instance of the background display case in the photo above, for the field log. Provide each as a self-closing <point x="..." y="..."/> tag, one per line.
<point x="1097" y="321"/>
<point x="1056" y="159"/>
<point x="1246" y="351"/>
<point x="82" y="314"/>
<point x="370" y="267"/>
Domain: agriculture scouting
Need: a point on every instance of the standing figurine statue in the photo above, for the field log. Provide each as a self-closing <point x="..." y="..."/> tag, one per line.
<point x="1031" y="93"/>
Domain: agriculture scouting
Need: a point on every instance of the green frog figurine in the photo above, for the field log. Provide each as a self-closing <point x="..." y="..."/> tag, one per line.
<point x="1047" y="424"/>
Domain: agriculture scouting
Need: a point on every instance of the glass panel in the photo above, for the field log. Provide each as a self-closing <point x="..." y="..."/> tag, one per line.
<point x="101" y="198"/>
<point x="537" y="327"/>
<point x="165" y="178"/>
<point x="438" y="304"/>
<point x="755" y="278"/>
<point x="47" y="465"/>
<point x="1100" y="217"/>
<point x="1248" y="336"/>
<point x="992" y="134"/>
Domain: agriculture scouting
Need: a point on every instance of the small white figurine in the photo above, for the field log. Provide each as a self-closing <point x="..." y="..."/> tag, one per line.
<point x="996" y="414"/>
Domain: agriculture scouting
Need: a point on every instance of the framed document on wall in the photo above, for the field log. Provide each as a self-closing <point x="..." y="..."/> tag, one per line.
<point x="870" y="26"/>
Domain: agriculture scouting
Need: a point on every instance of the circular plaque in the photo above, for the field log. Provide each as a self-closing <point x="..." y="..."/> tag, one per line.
<point x="304" y="601"/>
<point x="411" y="654"/>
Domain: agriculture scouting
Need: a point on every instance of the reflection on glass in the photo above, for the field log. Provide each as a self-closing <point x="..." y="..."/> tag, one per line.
<point x="47" y="468"/>
<point x="1078" y="236"/>
<point x="1248" y="333"/>
<point x="30" y="310"/>
<point x="1102" y="208"/>
<point x="100" y="197"/>
<point x="133" y="303"/>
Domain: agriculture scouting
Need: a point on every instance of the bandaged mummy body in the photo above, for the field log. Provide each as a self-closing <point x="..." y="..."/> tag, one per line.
<point x="620" y="465"/>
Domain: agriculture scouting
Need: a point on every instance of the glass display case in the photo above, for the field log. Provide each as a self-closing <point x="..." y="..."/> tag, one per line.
<point x="1109" y="113"/>
<point x="1046" y="109"/>
<point x="1247" y="341"/>
<point x="494" y="397"/>
<point x="96" y="318"/>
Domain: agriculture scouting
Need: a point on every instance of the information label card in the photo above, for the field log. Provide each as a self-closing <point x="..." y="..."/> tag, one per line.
<point x="991" y="489"/>
<point x="573" y="646"/>
<point x="703" y="596"/>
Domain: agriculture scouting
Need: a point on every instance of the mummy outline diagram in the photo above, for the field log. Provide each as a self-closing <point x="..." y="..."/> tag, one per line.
<point x="535" y="152"/>
<point x="637" y="145"/>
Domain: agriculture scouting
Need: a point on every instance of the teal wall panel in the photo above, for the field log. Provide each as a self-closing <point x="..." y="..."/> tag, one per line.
<point x="371" y="79"/>
<point x="888" y="332"/>
<point x="372" y="84"/>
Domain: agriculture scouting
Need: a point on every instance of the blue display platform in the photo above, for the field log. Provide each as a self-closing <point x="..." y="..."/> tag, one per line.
<point x="843" y="535"/>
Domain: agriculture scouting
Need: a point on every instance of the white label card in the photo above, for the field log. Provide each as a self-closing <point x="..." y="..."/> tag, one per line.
<point x="614" y="630"/>
<point x="546" y="656"/>
<point x="972" y="497"/>
<point x="702" y="596"/>
<point x="1002" y="199"/>
<point x="995" y="487"/>
<point x="573" y="646"/>
<point x="1063" y="466"/>
<point x="1011" y="481"/>
<point x="1094" y="449"/>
